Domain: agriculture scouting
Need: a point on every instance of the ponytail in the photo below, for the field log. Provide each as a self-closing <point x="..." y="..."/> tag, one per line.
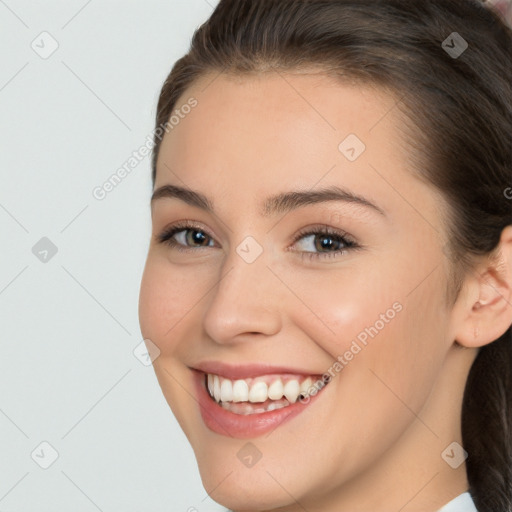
<point x="487" y="426"/>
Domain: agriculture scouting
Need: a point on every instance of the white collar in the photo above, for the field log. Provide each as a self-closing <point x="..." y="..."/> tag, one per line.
<point x="462" y="503"/>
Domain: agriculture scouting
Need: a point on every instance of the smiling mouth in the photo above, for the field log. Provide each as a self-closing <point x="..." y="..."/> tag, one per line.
<point x="261" y="394"/>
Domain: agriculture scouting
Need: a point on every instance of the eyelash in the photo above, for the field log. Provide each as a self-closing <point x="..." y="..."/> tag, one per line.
<point x="349" y="244"/>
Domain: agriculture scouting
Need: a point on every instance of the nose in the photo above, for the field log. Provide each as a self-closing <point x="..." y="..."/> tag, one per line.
<point x="244" y="302"/>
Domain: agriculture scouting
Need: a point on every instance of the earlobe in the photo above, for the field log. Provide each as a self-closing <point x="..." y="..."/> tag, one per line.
<point x="488" y="313"/>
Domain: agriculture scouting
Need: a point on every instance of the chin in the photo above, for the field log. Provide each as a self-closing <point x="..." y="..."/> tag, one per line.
<point x="242" y="494"/>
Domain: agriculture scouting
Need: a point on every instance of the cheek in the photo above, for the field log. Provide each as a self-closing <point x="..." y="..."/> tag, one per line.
<point x="386" y="347"/>
<point x="351" y="302"/>
<point x="380" y="335"/>
<point x="166" y="297"/>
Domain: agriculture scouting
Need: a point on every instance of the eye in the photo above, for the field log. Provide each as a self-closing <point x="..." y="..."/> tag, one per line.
<point x="314" y="243"/>
<point x="328" y="242"/>
<point x="181" y="235"/>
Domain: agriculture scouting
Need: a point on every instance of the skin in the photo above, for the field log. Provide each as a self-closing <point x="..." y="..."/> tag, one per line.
<point x="373" y="439"/>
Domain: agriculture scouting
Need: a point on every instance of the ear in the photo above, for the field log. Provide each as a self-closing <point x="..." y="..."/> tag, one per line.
<point x="485" y="313"/>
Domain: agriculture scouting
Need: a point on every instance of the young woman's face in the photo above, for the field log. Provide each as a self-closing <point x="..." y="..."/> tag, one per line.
<point x="255" y="291"/>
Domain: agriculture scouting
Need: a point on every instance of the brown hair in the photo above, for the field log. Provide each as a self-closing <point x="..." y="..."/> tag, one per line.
<point x="460" y="113"/>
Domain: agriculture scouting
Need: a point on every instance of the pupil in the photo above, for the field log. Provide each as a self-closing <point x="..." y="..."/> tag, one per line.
<point x="197" y="236"/>
<point x="326" y="242"/>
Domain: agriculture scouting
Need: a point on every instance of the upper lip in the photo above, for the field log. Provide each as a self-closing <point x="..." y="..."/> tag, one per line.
<point x="245" y="371"/>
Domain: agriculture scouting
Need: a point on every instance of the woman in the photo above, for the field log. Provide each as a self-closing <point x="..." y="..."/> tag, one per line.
<point x="329" y="279"/>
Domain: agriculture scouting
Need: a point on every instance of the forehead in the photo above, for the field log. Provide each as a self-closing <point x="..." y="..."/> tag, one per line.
<point x="277" y="118"/>
<point x="253" y="135"/>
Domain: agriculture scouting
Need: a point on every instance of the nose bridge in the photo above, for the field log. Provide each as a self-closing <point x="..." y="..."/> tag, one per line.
<point x="244" y="300"/>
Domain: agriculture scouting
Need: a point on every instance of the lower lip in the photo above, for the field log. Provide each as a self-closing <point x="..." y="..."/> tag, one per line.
<point x="229" y="424"/>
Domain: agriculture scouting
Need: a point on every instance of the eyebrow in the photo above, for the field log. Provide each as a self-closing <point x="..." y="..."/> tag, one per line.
<point x="280" y="203"/>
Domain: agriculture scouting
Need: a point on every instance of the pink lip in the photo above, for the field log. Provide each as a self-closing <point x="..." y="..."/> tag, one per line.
<point x="248" y="370"/>
<point x="226" y="423"/>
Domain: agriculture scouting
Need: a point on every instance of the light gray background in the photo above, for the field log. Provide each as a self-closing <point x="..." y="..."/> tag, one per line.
<point x="69" y="325"/>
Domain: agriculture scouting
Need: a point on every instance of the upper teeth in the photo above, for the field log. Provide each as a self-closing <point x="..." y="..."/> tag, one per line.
<point x="258" y="389"/>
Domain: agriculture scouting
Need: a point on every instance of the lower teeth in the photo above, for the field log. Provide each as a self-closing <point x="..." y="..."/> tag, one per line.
<point x="245" y="408"/>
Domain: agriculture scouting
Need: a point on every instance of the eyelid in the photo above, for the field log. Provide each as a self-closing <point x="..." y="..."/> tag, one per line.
<point x="183" y="225"/>
<point x="350" y="242"/>
<point x="324" y="229"/>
